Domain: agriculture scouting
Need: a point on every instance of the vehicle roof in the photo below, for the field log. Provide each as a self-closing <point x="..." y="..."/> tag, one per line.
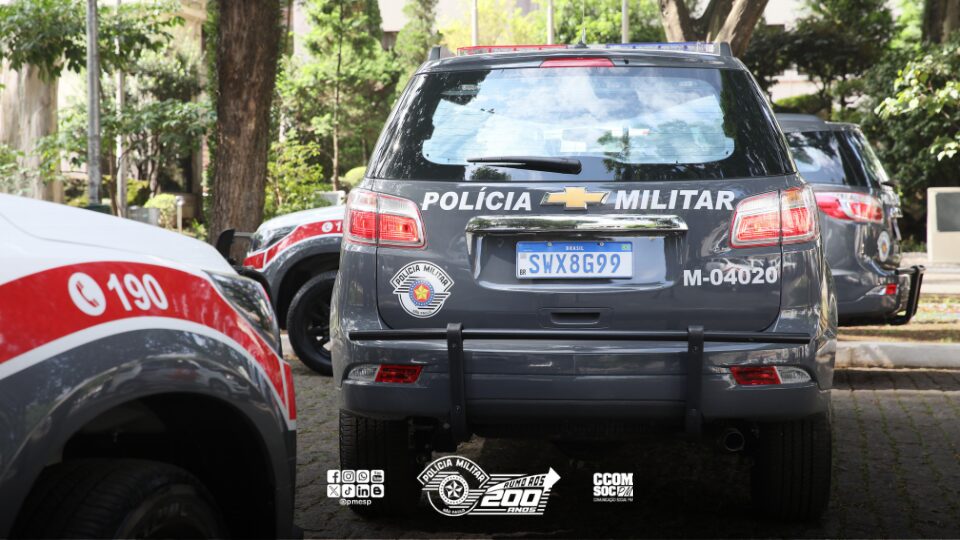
<point x="66" y="224"/>
<point x="792" y="123"/>
<point x="304" y="216"/>
<point x="620" y="57"/>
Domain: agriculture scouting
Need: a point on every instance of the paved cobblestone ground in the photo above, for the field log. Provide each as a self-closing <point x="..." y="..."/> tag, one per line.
<point x="896" y="474"/>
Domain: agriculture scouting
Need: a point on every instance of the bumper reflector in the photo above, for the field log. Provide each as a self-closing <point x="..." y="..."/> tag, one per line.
<point x="765" y="375"/>
<point x="890" y="289"/>
<point x="755" y="375"/>
<point x="403" y="374"/>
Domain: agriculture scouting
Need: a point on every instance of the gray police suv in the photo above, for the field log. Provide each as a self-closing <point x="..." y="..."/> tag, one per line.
<point x="860" y="210"/>
<point x="585" y="244"/>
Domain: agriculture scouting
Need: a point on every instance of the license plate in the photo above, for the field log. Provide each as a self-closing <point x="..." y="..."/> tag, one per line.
<point x="574" y="260"/>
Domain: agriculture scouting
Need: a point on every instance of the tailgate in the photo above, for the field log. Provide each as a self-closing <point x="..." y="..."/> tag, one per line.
<point x="617" y="255"/>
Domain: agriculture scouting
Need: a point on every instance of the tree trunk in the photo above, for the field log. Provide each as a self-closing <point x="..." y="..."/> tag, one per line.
<point x="739" y="24"/>
<point x="676" y="20"/>
<point x="28" y="112"/>
<point x="932" y="21"/>
<point x="940" y="19"/>
<point x="732" y="21"/>
<point x="951" y="18"/>
<point x="248" y="47"/>
<point x="335" y="177"/>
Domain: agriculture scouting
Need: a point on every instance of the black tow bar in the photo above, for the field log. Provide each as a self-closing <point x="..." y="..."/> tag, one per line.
<point x="694" y="336"/>
<point x="913" y="299"/>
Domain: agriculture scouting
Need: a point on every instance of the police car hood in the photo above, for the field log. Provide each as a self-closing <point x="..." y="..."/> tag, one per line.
<point x="60" y="223"/>
<point x="303" y="216"/>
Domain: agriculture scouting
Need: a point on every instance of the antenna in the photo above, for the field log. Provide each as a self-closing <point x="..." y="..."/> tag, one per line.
<point x="583" y="25"/>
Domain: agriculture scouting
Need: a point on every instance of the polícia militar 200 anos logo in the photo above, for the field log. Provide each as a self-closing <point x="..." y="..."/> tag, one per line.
<point x="422" y="287"/>
<point x="456" y="486"/>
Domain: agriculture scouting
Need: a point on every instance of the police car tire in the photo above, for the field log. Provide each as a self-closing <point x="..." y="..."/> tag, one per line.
<point x="122" y="498"/>
<point x="297" y="321"/>
<point x="791" y="475"/>
<point x="366" y="443"/>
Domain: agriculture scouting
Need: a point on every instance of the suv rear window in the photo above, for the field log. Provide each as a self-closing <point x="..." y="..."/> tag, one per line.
<point x="637" y="123"/>
<point x="834" y="157"/>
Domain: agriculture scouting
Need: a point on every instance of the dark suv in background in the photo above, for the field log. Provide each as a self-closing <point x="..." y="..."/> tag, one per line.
<point x="860" y="208"/>
<point x="585" y="244"/>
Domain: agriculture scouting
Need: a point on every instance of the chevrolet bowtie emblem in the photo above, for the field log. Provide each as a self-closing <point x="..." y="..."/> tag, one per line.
<point x="575" y="198"/>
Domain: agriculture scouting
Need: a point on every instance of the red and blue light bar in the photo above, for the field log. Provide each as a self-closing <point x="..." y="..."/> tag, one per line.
<point x="681" y="46"/>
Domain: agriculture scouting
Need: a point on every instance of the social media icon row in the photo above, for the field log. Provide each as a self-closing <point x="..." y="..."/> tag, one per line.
<point x="355" y="491"/>
<point x="359" y="476"/>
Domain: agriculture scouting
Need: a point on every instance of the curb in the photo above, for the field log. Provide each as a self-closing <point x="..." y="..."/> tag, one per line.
<point x="884" y="354"/>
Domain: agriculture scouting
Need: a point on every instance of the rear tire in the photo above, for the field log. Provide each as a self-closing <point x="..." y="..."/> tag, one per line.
<point x="371" y="444"/>
<point x="122" y="498"/>
<point x="791" y="477"/>
<point x="308" y="322"/>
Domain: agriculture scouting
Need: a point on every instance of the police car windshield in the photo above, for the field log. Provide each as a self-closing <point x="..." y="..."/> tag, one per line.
<point x="637" y="123"/>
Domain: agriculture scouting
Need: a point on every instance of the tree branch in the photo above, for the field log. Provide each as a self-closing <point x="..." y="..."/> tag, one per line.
<point x="676" y="20"/>
<point x="710" y="23"/>
<point x="739" y="24"/>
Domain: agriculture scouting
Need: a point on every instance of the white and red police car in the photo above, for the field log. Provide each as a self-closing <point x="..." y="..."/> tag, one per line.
<point x="142" y="393"/>
<point x="299" y="255"/>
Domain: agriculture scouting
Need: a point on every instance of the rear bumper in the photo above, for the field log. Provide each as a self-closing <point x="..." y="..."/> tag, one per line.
<point x="880" y="309"/>
<point x="679" y="377"/>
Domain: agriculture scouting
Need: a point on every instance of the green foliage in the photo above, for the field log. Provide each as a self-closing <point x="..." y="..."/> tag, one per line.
<point x="353" y="177"/>
<point x="51" y="34"/>
<point x="355" y="22"/>
<point x="294" y="181"/>
<point x="909" y="24"/>
<point x="905" y="136"/>
<point x="765" y="54"/>
<point x="603" y="18"/>
<point x="502" y="23"/>
<point x="307" y="100"/>
<point x="138" y="192"/>
<point x="14" y="179"/>
<point x="417" y="37"/>
<point x="211" y="29"/>
<point x="167" y="204"/>
<point x="160" y="123"/>
<point x="802" y="104"/>
<point x="838" y="41"/>
<point x="927" y="90"/>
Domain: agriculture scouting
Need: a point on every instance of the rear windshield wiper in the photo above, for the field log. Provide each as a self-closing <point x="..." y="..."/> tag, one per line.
<point x="533" y="163"/>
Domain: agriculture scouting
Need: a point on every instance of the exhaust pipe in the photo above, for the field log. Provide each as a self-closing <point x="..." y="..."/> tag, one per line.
<point x="732" y="440"/>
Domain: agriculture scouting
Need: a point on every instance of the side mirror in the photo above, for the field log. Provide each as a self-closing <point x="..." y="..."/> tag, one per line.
<point x="224" y="243"/>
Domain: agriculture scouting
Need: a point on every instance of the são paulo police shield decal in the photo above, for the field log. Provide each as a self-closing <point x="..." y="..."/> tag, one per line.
<point x="422" y="288"/>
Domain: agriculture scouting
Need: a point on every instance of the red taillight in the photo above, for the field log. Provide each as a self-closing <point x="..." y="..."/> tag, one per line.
<point x="383" y="220"/>
<point x="798" y="210"/>
<point x="402" y="374"/>
<point x="771" y="218"/>
<point x="755" y="375"/>
<point x="576" y="62"/>
<point x="851" y="207"/>
<point x="891" y="289"/>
